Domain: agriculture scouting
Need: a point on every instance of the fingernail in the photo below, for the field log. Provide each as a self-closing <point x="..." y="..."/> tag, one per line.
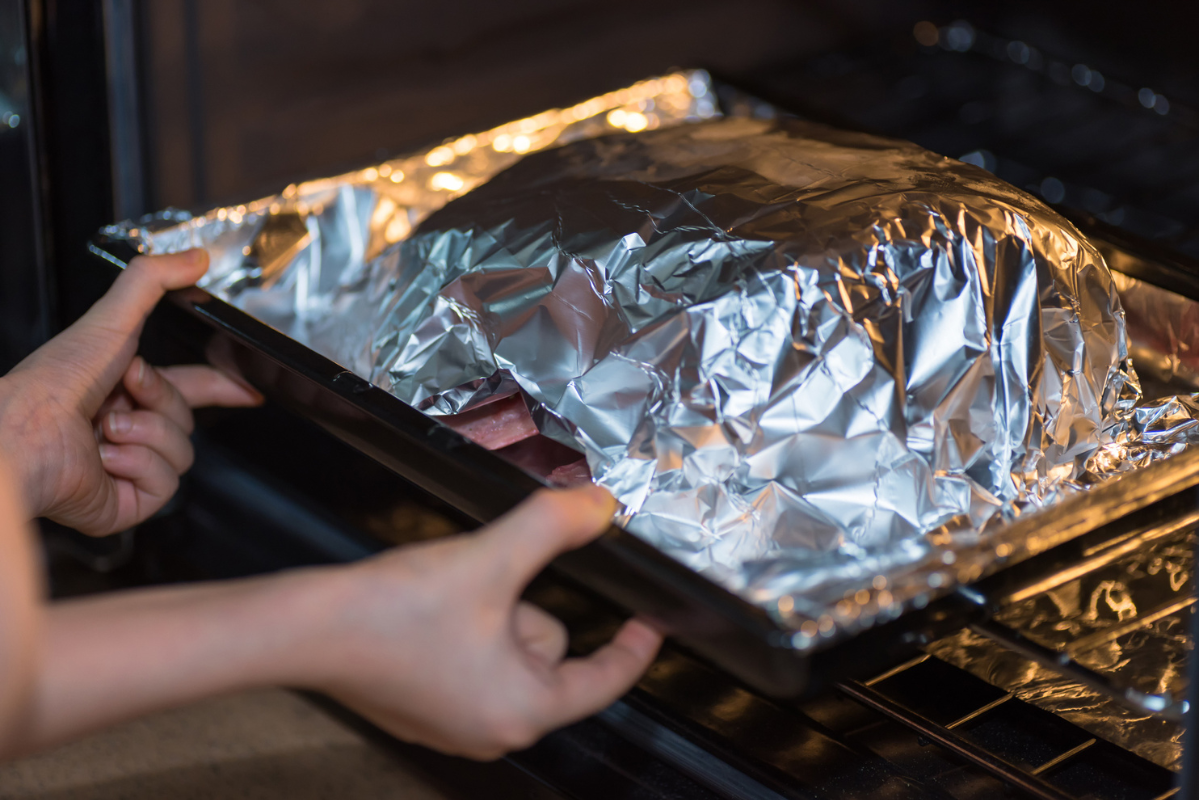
<point x="141" y="376"/>
<point x="119" y="423"/>
<point x="107" y="451"/>
<point x="642" y="638"/>
<point x="601" y="497"/>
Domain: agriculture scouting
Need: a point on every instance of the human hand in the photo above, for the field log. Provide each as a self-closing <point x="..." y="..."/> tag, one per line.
<point x="433" y="643"/>
<point x="98" y="437"/>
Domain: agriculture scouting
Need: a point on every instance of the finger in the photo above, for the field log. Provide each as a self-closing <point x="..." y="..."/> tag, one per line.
<point x="153" y="392"/>
<point x="539" y="634"/>
<point x="119" y="400"/>
<point x="202" y="385"/>
<point x="584" y="686"/>
<point x="522" y="542"/>
<point x="93" y="352"/>
<point x="152" y="430"/>
<point x="145" y="481"/>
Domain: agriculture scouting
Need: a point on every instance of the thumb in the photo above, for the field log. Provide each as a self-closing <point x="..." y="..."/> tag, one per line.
<point x="92" y="354"/>
<point x="522" y="542"/>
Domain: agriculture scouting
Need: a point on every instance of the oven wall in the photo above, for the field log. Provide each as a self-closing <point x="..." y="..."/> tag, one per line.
<point x="25" y="307"/>
<point x="243" y="97"/>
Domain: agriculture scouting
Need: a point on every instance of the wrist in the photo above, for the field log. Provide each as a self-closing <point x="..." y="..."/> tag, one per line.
<point x="18" y="421"/>
<point x="301" y="616"/>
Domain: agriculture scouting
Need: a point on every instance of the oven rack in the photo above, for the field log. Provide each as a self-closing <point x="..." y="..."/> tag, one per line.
<point x="1033" y="779"/>
<point x="1065" y="662"/>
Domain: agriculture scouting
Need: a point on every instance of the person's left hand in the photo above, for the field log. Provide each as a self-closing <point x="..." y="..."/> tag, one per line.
<point x="98" y="437"/>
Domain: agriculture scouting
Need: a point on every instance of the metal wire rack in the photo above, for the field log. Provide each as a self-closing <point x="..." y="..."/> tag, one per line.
<point x="1065" y="763"/>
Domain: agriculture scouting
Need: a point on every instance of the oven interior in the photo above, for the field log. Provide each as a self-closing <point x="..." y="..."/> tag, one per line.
<point x="208" y="103"/>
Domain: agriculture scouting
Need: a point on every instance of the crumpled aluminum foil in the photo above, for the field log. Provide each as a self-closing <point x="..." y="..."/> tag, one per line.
<point x="1164" y="328"/>
<point x="821" y="367"/>
<point x="1144" y="434"/>
<point x="297" y="260"/>
<point x="785" y="349"/>
<point x="1156" y="584"/>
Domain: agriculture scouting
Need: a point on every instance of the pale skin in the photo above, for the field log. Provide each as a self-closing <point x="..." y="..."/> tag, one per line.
<point x="431" y="642"/>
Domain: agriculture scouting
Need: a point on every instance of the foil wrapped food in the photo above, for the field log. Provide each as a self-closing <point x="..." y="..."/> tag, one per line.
<point x="780" y="346"/>
<point x="821" y="367"/>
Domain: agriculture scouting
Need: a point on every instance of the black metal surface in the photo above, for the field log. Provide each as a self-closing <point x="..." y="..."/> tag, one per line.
<point x="74" y="173"/>
<point x="959" y="746"/>
<point x="26" y="310"/>
<point x="1093" y="149"/>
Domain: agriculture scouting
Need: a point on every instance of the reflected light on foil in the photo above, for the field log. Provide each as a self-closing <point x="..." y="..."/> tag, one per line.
<point x="439" y="156"/>
<point x="464" y="145"/>
<point x="383" y="210"/>
<point x="635" y="121"/>
<point x="397" y="229"/>
<point x="446" y="180"/>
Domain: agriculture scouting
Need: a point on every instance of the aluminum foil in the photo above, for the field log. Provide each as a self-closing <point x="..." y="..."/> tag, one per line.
<point x="789" y="351"/>
<point x="823" y="368"/>
<point x="1164" y="330"/>
<point x="1156" y="585"/>
<point x="300" y="259"/>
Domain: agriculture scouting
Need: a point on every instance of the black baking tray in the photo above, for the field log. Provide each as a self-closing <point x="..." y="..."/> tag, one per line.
<point x="739" y="637"/>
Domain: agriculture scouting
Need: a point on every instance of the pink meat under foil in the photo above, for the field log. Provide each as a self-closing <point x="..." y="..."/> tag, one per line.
<point x="571" y="474"/>
<point x="505" y="426"/>
<point x="496" y="424"/>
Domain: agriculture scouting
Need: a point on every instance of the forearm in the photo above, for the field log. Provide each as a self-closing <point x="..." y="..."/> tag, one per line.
<point x="20" y="614"/>
<point x="112" y="658"/>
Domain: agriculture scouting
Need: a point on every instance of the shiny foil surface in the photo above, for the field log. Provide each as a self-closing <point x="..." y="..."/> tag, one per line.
<point x="1094" y="618"/>
<point x="823" y="368"/>
<point x="299" y="260"/>
<point x="1164" y="329"/>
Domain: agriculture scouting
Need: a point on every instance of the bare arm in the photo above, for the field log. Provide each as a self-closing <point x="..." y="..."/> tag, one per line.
<point x="432" y="642"/>
<point x="119" y="656"/>
<point x="19" y="614"/>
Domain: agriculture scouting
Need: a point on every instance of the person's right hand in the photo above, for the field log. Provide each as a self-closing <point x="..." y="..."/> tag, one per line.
<point x="433" y="643"/>
<point x="97" y="438"/>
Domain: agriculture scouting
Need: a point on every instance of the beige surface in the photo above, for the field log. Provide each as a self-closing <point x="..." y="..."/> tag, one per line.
<point x="254" y="746"/>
